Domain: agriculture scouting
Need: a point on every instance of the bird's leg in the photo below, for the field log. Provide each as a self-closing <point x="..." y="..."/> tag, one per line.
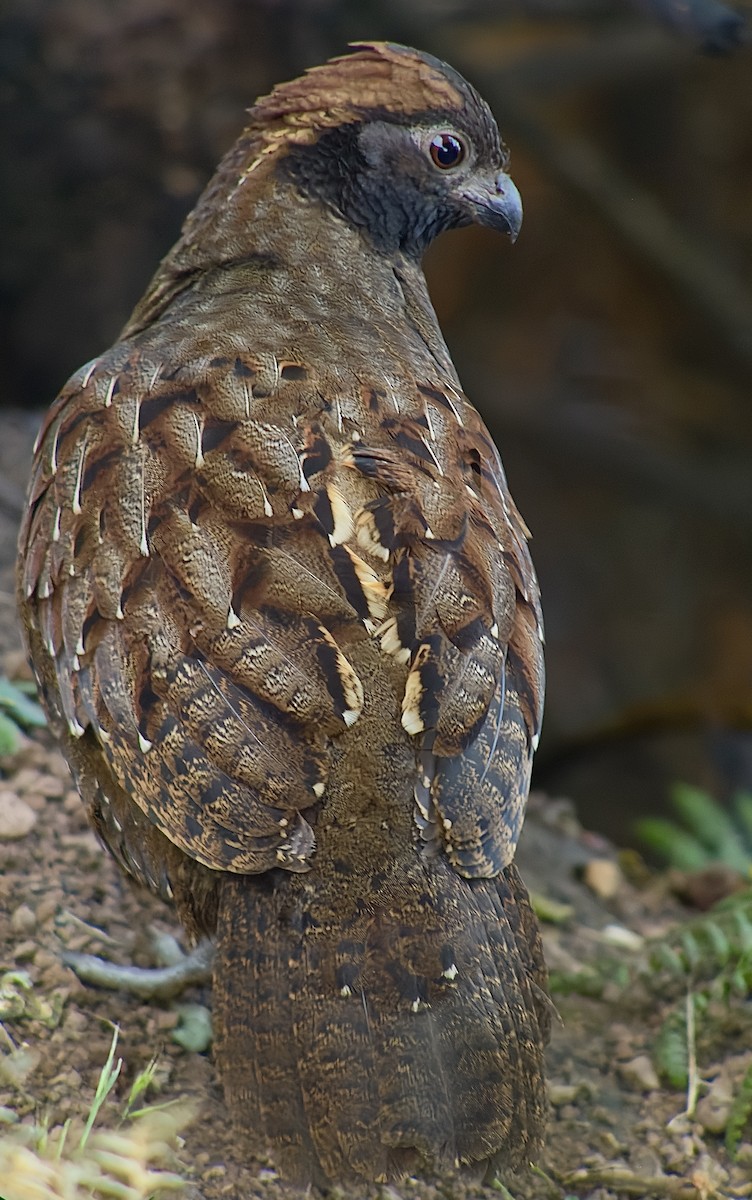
<point x="176" y="971"/>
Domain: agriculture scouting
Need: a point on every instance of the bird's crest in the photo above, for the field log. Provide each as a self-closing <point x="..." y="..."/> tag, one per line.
<point x="375" y="76"/>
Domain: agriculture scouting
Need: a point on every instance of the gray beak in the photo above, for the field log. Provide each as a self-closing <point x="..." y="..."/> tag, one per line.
<point x="497" y="204"/>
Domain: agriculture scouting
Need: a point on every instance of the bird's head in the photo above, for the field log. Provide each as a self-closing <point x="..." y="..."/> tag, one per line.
<point x="398" y="143"/>
<point x="395" y="142"/>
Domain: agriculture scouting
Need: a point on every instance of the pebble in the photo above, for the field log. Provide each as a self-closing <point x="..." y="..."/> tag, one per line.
<point x="166" y="1019"/>
<point x="72" y="802"/>
<point x="639" y="1074"/>
<point x="17" y="818"/>
<point x="76" y="1021"/>
<point x="47" y="907"/>
<point x="36" y="801"/>
<point x="27" y="779"/>
<point x="714" y="1108"/>
<point x="216" y="1171"/>
<point x="25" y="951"/>
<point x="23" y="919"/>
<point x="744" y="1155"/>
<point x="44" y="959"/>
<point x="603" y="876"/>
<point x="52" y="786"/>
<point x="560" y="1094"/>
<point x="708" y="1176"/>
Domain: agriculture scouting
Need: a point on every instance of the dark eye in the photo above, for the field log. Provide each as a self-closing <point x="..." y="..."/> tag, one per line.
<point x="446" y="150"/>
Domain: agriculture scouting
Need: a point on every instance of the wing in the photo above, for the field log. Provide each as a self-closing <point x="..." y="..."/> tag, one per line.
<point x="205" y="544"/>
<point x="465" y="618"/>
<point x="178" y="626"/>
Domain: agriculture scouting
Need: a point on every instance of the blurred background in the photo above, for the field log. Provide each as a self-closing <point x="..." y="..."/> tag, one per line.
<point x="610" y="350"/>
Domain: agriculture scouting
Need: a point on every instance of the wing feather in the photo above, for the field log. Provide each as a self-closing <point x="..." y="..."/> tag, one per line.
<point x="203" y="546"/>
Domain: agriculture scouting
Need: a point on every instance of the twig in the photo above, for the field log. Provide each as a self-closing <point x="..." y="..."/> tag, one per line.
<point x="693" y="1077"/>
<point x="626" y="1182"/>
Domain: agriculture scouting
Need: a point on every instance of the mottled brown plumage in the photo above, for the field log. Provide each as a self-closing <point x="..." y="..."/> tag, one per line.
<point x="285" y="624"/>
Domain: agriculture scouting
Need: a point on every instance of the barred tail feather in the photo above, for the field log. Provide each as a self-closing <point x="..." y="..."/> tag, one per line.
<point x="405" y="1035"/>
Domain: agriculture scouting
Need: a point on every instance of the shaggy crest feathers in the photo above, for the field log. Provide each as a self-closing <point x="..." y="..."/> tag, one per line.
<point x="378" y="79"/>
<point x="381" y="75"/>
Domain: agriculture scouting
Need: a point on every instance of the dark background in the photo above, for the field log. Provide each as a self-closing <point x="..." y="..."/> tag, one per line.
<point x="610" y="350"/>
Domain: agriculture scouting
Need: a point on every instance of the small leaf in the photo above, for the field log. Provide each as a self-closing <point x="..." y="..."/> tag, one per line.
<point x="194" y="1032"/>
<point x="718" y="942"/>
<point x="671" y="1052"/>
<point x="711" y="825"/>
<point x="678" y="848"/>
<point x="742" y="809"/>
<point x="21" y="708"/>
<point x="8" y="735"/>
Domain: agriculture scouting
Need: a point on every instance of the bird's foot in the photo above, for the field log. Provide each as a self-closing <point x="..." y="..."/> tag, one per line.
<point x="176" y="971"/>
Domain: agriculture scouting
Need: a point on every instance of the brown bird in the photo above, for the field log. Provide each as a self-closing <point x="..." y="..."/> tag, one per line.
<point x="287" y="631"/>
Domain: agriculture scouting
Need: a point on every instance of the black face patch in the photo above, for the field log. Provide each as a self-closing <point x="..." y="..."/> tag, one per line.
<point x="388" y="191"/>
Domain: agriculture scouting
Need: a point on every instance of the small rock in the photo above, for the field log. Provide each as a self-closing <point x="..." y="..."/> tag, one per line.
<point x="25" y="951"/>
<point x="72" y="803"/>
<point x="743" y="1156"/>
<point x="23" y="920"/>
<point x="35" y="801"/>
<point x="26" y="779"/>
<point x="166" y="1019"/>
<point x="645" y="1161"/>
<point x="622" y="938"/>
<point x="17" y="819"/>
<point x="51" y="787"/>
<point x="708" y="1176"/>
<point x="76" y="1021"/>
<point x="639" y="1074"/>
<point x="704" y="888"/>
<point x="216" y="1171"/>
<point x="563" y="1093"/>
<point x="603" y="876"/>
<point x="677" y="1154"/>
<point x="47" y="907"/>
<point x="714" y="1107"/>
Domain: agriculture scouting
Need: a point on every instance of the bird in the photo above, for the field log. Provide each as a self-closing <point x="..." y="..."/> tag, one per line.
<point x="286" y="628"/>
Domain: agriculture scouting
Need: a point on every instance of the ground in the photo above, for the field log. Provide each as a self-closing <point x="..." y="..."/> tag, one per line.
<point x="614" y="1129"/>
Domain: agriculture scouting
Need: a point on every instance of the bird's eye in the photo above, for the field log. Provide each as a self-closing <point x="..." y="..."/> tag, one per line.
<point x="446" y="150"/>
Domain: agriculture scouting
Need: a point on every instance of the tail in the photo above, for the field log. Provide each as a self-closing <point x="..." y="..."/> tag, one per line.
<point x="389" y="1027"/>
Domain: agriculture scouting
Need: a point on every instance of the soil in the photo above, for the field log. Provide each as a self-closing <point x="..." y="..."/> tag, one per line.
<point x="614" y="1130"/>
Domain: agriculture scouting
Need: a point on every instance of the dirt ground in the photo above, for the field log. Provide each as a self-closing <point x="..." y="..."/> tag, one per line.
<point x="614" y="1130"/>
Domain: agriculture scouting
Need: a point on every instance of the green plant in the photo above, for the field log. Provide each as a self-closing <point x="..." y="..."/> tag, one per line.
<point x="708" y="963"/>
<point x="78" y="1160"/>
<point x="741" y="1111"/>
<point x="18" y="710"/>
<point x="704" y="831"/>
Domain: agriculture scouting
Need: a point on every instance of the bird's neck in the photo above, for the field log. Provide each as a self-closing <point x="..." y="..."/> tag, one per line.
<point x="294" y="253"/>
<point x="337" y="265"/>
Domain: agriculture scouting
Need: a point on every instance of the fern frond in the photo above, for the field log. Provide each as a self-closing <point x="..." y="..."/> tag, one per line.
<point x="741" y="1111"/>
